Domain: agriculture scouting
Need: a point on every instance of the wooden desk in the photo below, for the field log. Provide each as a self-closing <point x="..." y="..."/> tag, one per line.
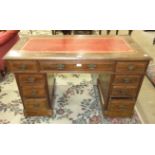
<point x="120" y="63"/>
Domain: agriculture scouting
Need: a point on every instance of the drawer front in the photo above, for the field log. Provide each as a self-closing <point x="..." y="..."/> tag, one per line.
<point x="30" y="79"/>
<point x="112" y="113"/>
<point x="127" y="80"/>
<point x="43" y="112"/>
<point x="73" y="66"/>
<point x="131" y="67"/>
<point x="122" y="91"/>
<point x="121" y="105"/>
<point x="23" y="66"/>
<point x="35" y="104"/>
<point x="34" y="92"/>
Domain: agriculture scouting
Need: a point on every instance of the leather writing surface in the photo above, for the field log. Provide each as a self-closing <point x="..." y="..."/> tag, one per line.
<point x="75" y="45"/>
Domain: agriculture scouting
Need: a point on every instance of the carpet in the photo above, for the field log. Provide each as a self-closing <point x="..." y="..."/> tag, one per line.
<point x="76" y="101"/>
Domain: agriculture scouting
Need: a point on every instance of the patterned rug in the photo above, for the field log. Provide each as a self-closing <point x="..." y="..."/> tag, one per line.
<point x="76" y="101"/>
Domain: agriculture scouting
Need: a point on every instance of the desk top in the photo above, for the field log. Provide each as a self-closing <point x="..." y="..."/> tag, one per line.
<point x="76" y="47"/>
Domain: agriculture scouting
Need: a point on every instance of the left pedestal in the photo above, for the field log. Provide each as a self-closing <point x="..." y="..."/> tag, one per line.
<point x="33" y="86"/>
<point x="35" y="93"/>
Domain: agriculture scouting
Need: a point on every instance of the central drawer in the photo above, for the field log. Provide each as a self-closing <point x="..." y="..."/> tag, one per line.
<point x="34" y="91"/>
<point x="107" y="66"/>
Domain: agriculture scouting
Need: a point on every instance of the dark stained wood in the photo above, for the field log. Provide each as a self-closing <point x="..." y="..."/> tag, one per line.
<point x="33" y="88"/>
<point x="42" y="112"/>
<point x="34" y="91"/>
<point x="127" y="80"/>
<point x="120" y="108"/>
<point x="131" y="67"/>
<point x="23" y="66"/>
<point x="31" y="79"/>
<point x="124" y="91"/>
<point x="122" y="113"/>
<point x="68" y="65"/>
<point x="119" y="82"/>
<point x="104" y="84"/>
<point x="36" y="104"/>
<point x="121" y="104"/>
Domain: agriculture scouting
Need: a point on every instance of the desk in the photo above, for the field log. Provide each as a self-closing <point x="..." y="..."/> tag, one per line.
<point x="119" y="62"/>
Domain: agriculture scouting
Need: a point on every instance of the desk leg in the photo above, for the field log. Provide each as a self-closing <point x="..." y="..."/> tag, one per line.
<point x="104" y="85"/>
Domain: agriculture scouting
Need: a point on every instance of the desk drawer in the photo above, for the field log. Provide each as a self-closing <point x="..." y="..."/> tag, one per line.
<point x="31" y="79"/>
<point x="121" y="105"/>
<point x="76" y="66"/>
<point x="37" y="107"/>
<point x="124" y="91"/>
<point x="34" y="91"/>
<point x="35" y="104"/>
<point x="131" y="67"/>
<point x="127" y="80"/>
<point x="112" y="113"/>
<point x="22" y="66"/>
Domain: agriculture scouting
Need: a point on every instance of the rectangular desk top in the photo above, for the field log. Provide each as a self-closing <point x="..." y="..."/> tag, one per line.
<point x="76" y="47"/>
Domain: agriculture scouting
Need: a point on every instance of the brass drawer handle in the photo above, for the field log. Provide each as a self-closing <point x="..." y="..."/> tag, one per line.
<point x="34" y="93"/>
<point x="123" y="92"/>
<point x="31" y="79"/>
<point x="23" y="67"/>
<point x="36" y="105"/>
<point x="126" y="80"/>
<point x="91" y="66"/>
<point x="122" y="107"/>
<point x="131" y="67"/>
<point x="60" y="66"/>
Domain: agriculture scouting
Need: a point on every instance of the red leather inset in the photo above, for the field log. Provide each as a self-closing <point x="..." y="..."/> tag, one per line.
<point x="74" y="45"/>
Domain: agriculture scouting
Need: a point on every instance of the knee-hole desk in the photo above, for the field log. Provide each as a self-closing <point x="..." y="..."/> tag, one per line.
<point x="119" y="62"/>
